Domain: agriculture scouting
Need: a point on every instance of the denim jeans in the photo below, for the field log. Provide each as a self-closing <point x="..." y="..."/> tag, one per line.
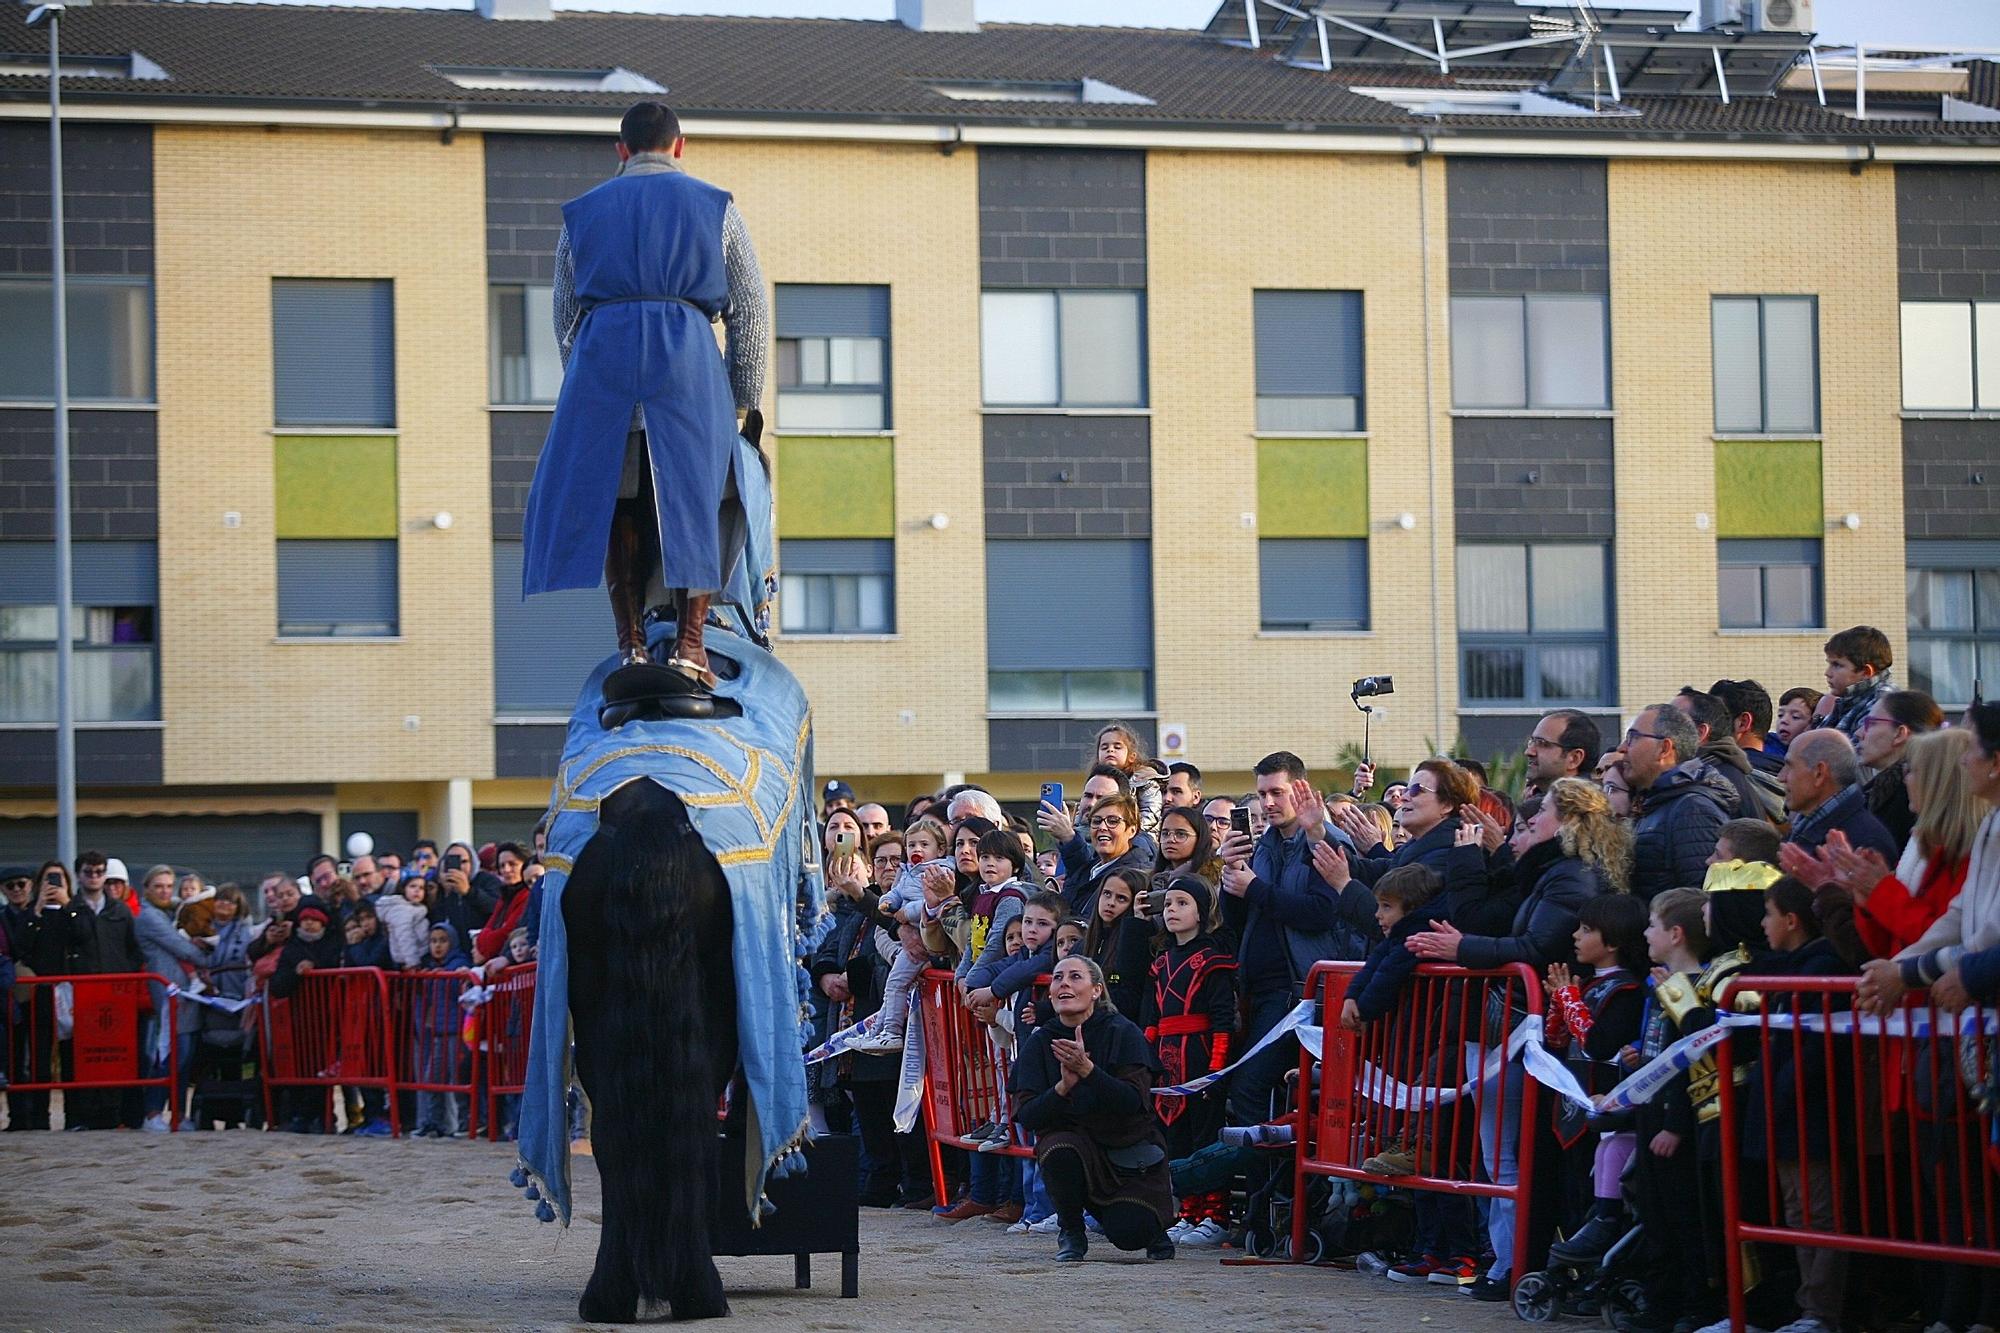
<point x="1500" y="1133"/>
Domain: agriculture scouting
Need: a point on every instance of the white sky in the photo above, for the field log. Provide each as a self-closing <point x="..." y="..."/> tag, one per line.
<point x="1914" y="22"/>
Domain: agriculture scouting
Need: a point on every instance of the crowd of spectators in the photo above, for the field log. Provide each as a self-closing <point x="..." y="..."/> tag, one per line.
<point x="455" y="912"/>
<point x="1149" y="932"/>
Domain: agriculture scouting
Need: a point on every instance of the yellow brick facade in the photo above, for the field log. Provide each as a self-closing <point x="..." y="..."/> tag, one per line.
<point x="907" y="217"/>
<point x="235" y="208"/>
<point x="1335" y="223"/>
<point x="1680" y="233"/>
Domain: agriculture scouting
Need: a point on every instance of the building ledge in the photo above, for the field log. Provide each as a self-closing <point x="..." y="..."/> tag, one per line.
<point x="987" y="411"/>
<point x="1987" y="414"/>
<point x="321" y="640"/>
<point x="79" y="405"/>
<point x="154" y="725"/>
<point x="1540" y="413"/>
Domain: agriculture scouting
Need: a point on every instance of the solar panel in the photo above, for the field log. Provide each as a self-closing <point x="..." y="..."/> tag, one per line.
<point x="1637" y="50"/>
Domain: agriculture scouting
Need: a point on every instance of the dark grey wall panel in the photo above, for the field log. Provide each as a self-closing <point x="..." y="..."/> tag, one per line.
<point x="527" y="751"/>
<point x="545" y="646"/>
<point x="107" y="190"/>
<point x="222" y="847"/>
<point x="1940" y="496"/>
<point x="1527" y="225"/>
<point x="393" y="830"/>
<point x="503" y="823"/>
<point x="516" y="445"/>
<point x="114" y="475"/>
<point x="118" y="757"/>
<point x="1948" y="233"/>
<point x="1062" y="218"/>
<point x="528" y="180"/>
<point x="1571" y="496"/>
<point x="1052" y="745"/>
<point x="1057" y="476"/>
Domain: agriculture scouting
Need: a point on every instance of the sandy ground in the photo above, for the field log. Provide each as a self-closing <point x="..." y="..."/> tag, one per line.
<point x="108" y="1231"/>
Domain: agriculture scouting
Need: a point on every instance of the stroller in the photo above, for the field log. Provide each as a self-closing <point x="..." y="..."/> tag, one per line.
<point x="1613" y="1285"/>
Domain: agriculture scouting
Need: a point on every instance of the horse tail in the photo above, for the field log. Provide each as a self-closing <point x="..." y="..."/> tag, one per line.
<point x="666" y="906"/>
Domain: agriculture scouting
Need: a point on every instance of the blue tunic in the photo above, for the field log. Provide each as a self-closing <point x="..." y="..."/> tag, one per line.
<point x="651" y="280"/>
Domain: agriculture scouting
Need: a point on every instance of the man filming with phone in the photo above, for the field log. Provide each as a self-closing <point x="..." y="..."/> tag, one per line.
<point x="1286" y="917"/>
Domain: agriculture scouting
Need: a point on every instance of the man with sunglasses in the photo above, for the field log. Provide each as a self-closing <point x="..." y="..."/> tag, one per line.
<point x="1683" y="803"/>
<point x="105" y="937"/>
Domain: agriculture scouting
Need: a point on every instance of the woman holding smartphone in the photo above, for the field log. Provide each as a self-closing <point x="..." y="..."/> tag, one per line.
<point x="42" y="948"/>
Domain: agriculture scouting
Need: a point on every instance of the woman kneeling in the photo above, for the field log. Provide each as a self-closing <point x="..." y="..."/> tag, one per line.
<point x="1083" y="1086"/>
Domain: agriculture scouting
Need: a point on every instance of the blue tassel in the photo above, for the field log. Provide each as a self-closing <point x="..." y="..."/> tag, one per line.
<point x="518" y="1177"/>
<point x="531" y="1194"/>
<point x="544" y="1213"/>
<point x="796" y="1164"/>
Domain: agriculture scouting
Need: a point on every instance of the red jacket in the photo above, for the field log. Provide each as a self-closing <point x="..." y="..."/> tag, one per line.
<point x="1893" y="918"/>
<point x="491" y="941"/>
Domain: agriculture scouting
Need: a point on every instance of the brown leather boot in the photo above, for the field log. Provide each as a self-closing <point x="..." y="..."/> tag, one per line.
<point x="625" y="580"/>
<point x="689" y="656"/>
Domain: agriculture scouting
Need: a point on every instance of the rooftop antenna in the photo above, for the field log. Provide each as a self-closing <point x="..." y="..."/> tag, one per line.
<point x="1589" y="32"/>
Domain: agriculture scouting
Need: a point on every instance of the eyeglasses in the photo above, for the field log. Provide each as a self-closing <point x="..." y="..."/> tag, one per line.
<point x="1871" y="720"/>
<point x="1634" y="734"/>
<point x="1537" y="743"/>
<point x="1415" y="790"/>
<point x="1107" y="821"/>
<point x="1181" y="832"/>
<point x="882" y="861"/>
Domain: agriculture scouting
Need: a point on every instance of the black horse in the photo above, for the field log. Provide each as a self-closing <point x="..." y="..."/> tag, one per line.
<point x="653" y="1000"/>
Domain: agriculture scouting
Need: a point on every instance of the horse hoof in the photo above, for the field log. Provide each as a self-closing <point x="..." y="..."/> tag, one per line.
<point x="703" y="1298"/>
<point x="597" y="1307"/>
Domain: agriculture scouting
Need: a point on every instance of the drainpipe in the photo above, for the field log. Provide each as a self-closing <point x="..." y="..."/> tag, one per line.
<point x="1431" y="448"/>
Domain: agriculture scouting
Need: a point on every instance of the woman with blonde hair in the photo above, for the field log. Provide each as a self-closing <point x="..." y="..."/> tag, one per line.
<point x="1892" y="909"/>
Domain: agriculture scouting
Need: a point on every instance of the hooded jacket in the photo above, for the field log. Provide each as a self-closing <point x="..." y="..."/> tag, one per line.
<point x="1681" y="816"/>
<point x="405" y="925"/>
<point x="323" y="953"/>
<point x="1545" y="922"/>
<point x="1759" y="794"/>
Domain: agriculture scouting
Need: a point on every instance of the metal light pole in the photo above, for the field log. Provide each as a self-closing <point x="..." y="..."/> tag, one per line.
<point x="51" y="14"/>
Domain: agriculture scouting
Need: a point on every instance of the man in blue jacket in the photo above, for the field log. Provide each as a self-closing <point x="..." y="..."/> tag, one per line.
<point x="1286" y="918"/>
<point x="637" y="480"/>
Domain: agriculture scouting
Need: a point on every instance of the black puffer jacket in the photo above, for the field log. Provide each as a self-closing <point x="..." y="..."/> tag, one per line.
<point x="1545" y="922"/>
<point x="1681" y="816"/>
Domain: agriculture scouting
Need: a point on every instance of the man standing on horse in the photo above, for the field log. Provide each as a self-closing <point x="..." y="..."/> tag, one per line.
<point x="637" y="475"/>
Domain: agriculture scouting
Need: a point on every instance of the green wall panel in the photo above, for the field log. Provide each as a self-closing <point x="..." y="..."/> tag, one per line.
<point x="1768" y="488"/>
<point x="336" y="485"/>
<point x="1312" y="488"/>
<point x="836" y="486"/>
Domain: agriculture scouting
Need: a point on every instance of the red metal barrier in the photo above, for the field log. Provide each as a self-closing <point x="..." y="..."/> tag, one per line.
<point x="1444" y="1025"/>
<point x="1905" y="1167"/>
<point x="506" y="1020"/>
<point x="965" y="1074"/>
<point x="428" y="1024"/>
<point x="103" y="1049"/>
<point x="332" y="1032"/>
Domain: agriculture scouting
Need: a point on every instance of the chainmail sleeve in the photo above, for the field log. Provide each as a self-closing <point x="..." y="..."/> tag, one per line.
<point x="565" y="296"/>
<point x="745" y="319"/>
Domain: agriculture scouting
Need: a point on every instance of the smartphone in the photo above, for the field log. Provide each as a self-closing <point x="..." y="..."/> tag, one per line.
<point x="1239" y="820"/>
<point x="455" y="861"/>
<point x="1052" y="794"/>
<point x="844" y="842"/>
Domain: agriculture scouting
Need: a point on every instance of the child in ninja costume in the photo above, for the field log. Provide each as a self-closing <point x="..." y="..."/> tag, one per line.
<point x="1189" y="1013"/>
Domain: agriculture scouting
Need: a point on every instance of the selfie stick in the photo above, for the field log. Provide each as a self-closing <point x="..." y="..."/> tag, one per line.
<point x="1367" y="720"/>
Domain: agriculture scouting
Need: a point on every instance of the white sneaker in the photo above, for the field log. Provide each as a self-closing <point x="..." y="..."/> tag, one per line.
<point x="1179" y="1229"/>
<point x="1018" y="1229"/>
<point x="1722" y="1326"/>
<point x="878" y="1044"/>
<point x="1806" y="1324"/>
<point x="1048" y="1226"/>
<point x="156" y="1124"/>
<point x="1203" y="1234"/>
